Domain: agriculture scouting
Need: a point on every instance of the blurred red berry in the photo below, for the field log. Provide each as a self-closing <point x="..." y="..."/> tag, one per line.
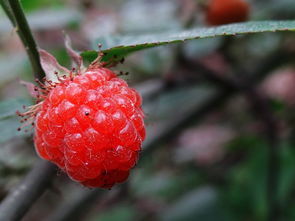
<point x="221" y="12"/>
<point x="91" y="126"/>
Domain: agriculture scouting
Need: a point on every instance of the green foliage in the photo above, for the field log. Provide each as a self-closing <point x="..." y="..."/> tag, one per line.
<point x="31" y="5"/>
<point x="246" y="191"/>
<point x="121" y="46"/>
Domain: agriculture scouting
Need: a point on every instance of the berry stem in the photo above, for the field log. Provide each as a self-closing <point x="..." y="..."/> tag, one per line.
<point x="7" y="10"/>
<point x="17" y="17"/>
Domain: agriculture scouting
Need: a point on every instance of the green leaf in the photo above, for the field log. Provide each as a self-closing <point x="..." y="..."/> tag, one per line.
<point x="120" y="46"/>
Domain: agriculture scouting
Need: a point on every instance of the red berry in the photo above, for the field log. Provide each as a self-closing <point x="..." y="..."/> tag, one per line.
<point x="91" y="126"/>
<point x="221" y="12"/>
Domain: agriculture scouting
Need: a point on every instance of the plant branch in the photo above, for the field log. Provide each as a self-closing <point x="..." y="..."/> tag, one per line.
<point x="16" y="15"/>
<point x="17" y="203"/>
<point x="7" y="10"/>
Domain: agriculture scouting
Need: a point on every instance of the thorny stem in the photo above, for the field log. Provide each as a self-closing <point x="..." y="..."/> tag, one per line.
<point x="17" y="17"/>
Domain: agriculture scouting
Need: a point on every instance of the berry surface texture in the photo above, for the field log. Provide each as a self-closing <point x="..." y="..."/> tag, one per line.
<point x="91" y="125"/>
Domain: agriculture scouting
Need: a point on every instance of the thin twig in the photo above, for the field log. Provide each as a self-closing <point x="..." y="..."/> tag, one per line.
<point x="17" y="203"/>
<point x="7" y="10"/>
<point x="16" y="15"/>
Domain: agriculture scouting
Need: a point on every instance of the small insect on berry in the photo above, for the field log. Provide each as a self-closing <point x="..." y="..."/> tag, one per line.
<point x="89" y="122"/>
<point x="220" y="12"/>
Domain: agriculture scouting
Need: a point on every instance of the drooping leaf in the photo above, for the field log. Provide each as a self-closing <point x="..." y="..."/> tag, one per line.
<point x="51" y="66"/>
<point x="120" y="46"/>
<point x="75" y="56"/>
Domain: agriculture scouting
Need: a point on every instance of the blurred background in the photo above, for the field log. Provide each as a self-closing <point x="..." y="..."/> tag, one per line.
<point x="219" y="113"/>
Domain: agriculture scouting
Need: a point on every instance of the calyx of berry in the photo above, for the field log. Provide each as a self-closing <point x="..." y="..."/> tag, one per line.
<point x="54" y="75"/>
<point x="54" y="71"/>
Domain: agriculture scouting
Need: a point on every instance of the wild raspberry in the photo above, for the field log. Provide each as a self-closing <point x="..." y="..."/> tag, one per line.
<point x="90" y="124"/>
<point x="221" y="12"/>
